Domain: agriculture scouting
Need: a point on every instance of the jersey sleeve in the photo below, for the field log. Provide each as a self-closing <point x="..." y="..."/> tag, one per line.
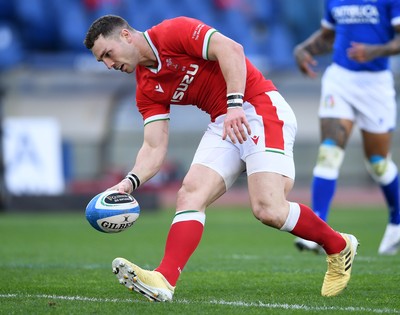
<point x="150" y="110"/>
<point x="186" y="36"/>
<point x="395" y="13"/>
<point x="328" y="21"/>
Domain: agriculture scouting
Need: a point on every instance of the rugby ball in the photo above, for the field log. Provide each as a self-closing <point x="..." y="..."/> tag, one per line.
<point x="112" y="211"/>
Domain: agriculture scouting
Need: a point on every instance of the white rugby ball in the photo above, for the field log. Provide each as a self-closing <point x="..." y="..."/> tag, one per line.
<point x="112" y="211"/>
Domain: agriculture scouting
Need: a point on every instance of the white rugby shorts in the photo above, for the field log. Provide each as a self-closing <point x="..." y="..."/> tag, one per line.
<point x="364" y="97"/>
<point x="268" y="149"/>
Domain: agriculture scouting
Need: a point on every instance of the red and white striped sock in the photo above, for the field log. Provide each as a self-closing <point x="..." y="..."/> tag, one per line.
<point x="304" y="223"/>
<point x="183" y="238"/>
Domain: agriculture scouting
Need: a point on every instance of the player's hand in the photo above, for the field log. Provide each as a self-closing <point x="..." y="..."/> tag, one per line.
<point x="305" y="61"/>
<point x="361" y="52"/>
<point x="234" y="121"/>
<point x="124" y="186"/>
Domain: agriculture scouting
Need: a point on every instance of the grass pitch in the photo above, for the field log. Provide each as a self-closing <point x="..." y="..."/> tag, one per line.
<point x="58" y="264"/>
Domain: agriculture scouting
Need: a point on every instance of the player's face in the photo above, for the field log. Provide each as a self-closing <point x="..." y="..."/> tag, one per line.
<point x="116" y="53"/>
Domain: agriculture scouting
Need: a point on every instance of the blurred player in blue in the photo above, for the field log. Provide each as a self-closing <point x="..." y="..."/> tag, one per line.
<point x="357" y="89"/>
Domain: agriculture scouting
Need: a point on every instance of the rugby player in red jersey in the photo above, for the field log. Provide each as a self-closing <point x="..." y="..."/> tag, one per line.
<point x="252" y="129"/>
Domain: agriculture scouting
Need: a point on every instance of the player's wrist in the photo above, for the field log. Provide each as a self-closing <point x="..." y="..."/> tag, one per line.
<point x="234" y="100"/>
<point x="134" y="180"/>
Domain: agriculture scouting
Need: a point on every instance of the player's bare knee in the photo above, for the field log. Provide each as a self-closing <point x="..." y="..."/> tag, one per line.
<point x="185" y="192"/>
<point x="266" y="214"/>
<point x="329" y="160"/>
<point x="382" y="169"/>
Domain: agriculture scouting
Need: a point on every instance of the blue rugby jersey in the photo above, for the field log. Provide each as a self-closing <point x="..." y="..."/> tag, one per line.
<point x="362" y="21"/>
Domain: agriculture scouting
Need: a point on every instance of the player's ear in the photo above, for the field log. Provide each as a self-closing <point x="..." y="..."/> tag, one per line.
<point x="126" y="35"/>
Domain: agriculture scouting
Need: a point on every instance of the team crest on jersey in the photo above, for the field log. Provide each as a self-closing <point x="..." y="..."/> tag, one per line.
<point x="329" y="101"/>
<point x="171" y="64"/>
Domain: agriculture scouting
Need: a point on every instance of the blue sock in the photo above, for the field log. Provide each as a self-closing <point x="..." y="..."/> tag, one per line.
<point x="322" y="195"/>
<point x="391" y="192"/>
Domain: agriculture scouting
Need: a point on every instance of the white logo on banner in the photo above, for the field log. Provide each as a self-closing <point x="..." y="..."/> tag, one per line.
<point x="32" y="156"/>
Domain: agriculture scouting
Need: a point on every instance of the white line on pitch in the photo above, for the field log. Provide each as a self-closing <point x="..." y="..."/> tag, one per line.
<point x="215" y="302"/>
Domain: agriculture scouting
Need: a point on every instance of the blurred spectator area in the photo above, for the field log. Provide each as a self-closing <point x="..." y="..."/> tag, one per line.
<point x="268" y="29"/>
<point x="45" y="71"/>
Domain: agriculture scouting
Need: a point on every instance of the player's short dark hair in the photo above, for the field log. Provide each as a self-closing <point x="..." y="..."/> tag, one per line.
<point x="106" y="26"/>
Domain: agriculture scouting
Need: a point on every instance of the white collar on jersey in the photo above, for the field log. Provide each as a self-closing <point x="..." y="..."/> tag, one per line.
<point x="155" y="51"/>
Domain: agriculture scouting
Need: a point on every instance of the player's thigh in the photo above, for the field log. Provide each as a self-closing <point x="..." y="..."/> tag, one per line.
<point x="376" y="143"/>
<point x="336" y="112"/>
<point x="268" y="193"/>
<point x="371" y="105"/>
<point x="215" y="167"/>
<point x="270" y="179"/>
<point x="201" y="186"/>
<point x="222" y="156"/>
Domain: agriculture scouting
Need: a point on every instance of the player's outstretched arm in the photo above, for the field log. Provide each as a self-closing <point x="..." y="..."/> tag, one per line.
<point x="319" y="43"/>
<point x="149" y="158"/>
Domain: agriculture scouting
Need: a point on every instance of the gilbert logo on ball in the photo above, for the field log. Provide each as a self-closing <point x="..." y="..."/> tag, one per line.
<point x="112" y="211"/>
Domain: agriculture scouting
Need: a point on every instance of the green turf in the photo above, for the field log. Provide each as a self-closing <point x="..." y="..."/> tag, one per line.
<point x="58" y="264"/>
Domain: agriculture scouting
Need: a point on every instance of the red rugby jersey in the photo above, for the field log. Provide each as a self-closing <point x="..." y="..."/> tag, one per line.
<point x="184" y="75"/>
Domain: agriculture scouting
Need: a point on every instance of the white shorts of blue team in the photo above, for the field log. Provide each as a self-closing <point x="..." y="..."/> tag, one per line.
<point x="367" y="98"/>
<point x="230" y="160"/>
